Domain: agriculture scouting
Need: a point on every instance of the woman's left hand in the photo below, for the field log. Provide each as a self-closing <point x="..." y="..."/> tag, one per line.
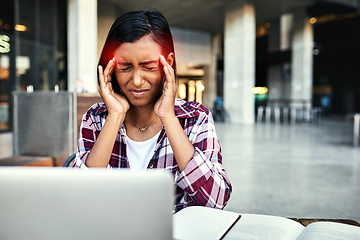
<point x="164" y="107"/>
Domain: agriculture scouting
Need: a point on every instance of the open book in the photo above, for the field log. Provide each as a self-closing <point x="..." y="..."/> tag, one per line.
<point x="208" y="223"/>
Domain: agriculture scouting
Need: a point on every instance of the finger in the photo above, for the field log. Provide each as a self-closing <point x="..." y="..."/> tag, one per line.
<point x="104" y="86"/>
<point x="109" y="70"/>
<point x="168" y="70"/>
<point x="102" y="81"/>
<point x="101" y="76"/>
<point x="164" y="62"/>
<point x="170" y="79"/>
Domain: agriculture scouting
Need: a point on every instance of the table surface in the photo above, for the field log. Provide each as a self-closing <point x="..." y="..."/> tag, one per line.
<point x="35" y="161"/>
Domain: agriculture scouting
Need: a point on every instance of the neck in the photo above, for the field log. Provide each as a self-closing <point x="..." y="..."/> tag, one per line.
<point x="141" y="115"/>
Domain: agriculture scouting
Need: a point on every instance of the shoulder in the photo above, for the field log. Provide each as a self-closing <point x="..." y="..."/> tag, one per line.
<point x="185" y="109"/>
<point x="96" y="110"/>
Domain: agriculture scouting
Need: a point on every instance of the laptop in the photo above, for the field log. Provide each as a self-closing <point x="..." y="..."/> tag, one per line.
<point x="64" y="203"/>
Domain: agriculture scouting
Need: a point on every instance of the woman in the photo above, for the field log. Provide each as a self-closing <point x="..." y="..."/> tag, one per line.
<point x="141" y="125"/>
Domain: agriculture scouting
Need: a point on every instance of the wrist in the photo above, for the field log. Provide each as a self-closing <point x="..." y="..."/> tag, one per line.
<point x="169" y="120"/>
<point x="116" y="119"/>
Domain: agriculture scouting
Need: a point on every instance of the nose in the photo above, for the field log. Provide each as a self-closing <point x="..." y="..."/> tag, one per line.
<point x="137" y="79"/>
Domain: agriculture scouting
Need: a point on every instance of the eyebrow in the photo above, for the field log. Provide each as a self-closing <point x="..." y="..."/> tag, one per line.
<point x="149" y="62"/>
<point x="123" y="63"/>
<point x="141" y="64"/>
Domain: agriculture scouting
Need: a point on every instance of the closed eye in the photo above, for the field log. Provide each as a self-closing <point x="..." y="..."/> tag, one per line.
<point x="124" y="69"/>
<point x="151" y="65"/>
<point x="150" y="68"/>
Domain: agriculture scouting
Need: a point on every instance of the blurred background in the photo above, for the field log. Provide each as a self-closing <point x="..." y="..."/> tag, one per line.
<point x="279" y="77"/>
<point x="298" y="52"/>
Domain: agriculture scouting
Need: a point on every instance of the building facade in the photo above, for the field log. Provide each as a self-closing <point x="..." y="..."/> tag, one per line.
<point x="33" y="50"/>
<point x="304" y="53"/>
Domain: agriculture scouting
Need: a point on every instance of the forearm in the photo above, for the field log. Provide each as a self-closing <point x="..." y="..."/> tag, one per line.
<point x="100" y="154"/>
<point x="180" y="143"/>
<point x="205" y="180"/>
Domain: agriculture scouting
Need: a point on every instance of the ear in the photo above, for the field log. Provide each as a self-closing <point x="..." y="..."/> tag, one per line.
<point x="170" y="58"/>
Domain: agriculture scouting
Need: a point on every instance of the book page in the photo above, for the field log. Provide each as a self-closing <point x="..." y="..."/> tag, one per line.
<point x="330" y="231"/>
<point x="202" y="223"/>
<point x="259" y="227"/>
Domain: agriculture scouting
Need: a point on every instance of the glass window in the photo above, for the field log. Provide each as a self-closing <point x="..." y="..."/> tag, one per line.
<point x="6" y="37"/>
<point x="4" y="89"/>
<point x="25" y="62"/>
<point x="32" y="50"/>
<point x="46" y="69"/>
<point x="7" y="17"/>
<point x="61" y="70"/>
<point x="46" y="21"/>
<point x="61" y="25"/>
<point x="26" y="26"/>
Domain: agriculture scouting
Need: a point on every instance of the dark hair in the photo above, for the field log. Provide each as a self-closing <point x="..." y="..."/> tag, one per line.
<point x="130" y="27"/>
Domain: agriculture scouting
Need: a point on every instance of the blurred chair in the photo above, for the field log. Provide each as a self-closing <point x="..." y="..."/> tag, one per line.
<point x="356" y="129"/>
<point x="260" y="113"/>
<point x="69" y="162"/>
<point x="44" y="124"/>
<point x="268" y="113"/>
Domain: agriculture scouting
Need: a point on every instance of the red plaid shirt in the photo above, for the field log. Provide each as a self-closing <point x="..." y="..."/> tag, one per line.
<point x="203" y="182"/>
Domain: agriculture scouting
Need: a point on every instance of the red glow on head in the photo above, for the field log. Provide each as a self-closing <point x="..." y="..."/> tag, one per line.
<point x="108" y="51"/>
<point x="109" y="56"/>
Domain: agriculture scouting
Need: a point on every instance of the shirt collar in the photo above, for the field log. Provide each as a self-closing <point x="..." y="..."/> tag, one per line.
<point x="101" y="108"/>
<point x="183" y="109"/>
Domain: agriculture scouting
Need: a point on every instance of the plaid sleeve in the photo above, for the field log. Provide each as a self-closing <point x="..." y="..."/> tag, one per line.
<point x="204" y="177"/>
<point x="90" y="128"/>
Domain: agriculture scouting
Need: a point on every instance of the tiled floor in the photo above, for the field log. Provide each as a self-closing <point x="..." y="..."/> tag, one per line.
<point x="287" y="170"/>
<point x="293" y="170"/>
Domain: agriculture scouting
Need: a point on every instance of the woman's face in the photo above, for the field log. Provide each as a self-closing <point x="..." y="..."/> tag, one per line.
<point x="138" y="70"/>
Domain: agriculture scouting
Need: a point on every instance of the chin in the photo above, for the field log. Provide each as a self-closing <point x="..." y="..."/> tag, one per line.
<point x="141" y="102"/>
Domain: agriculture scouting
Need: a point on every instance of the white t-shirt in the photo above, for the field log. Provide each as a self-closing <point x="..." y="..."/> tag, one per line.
<point x="139" y="154"/>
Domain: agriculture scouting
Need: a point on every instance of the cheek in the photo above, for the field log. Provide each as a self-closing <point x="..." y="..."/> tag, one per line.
<point x="157" y="80"/>
<point x="122" y="78"/>
<point x="154" y="77"/>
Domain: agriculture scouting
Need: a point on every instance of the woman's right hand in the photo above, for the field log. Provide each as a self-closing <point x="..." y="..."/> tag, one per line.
<point x="116" y="104"/>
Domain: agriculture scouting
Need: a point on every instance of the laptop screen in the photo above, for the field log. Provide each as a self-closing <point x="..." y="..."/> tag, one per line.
<point x="58" y="203"/>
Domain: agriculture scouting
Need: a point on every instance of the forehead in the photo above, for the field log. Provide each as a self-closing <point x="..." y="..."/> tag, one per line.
<point x="144" y="47"/>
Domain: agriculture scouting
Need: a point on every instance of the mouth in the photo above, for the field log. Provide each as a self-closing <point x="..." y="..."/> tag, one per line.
<point x="139" y="93"/>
